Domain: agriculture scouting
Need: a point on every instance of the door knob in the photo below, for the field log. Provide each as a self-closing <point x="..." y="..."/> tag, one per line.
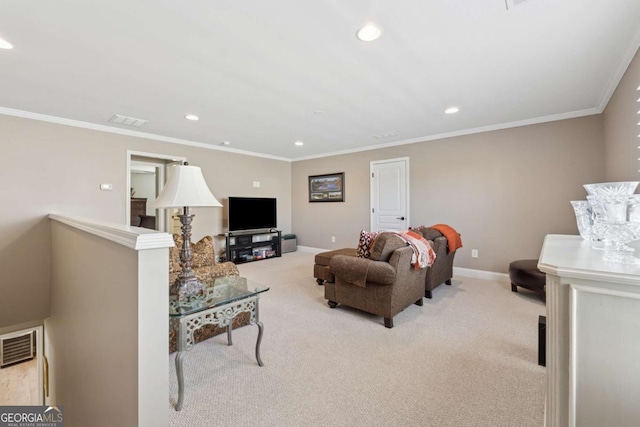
<point x="401" y="218"/>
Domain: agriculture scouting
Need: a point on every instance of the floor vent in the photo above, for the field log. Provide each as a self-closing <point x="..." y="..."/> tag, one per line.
<point x="17" y="349"/>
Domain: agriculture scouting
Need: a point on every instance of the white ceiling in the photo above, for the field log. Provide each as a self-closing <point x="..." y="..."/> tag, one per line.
<point x="256" y="71"/>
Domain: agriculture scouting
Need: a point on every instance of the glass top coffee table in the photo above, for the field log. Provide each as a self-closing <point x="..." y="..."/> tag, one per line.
<point x="225" y="298"/>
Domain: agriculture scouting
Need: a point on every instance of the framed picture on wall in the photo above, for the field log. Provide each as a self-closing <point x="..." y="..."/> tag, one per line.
<point x="326" y="188"/>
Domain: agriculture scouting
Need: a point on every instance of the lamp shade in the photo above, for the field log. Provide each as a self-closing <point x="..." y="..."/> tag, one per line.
<point x="186" y="187"/>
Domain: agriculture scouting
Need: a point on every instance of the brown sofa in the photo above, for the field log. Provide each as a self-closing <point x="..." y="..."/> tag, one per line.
<point x="442" y="269"/>
<point x="384" y="284"/>
<point x="440" y="272"/>
<point x="205" y="267"/>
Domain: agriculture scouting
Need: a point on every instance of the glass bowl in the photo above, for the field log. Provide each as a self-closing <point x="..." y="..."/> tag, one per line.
<point x="625" y="188"/>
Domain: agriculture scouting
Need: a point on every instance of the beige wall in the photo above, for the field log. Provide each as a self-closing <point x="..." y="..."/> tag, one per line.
<point x="93" y="329"/>
<point x="108" y="325"/>
<point x="50" y="168"/>
<point x="621" y="127"/>
<point x="502" y="190"/>
<point x="490" y="186"/>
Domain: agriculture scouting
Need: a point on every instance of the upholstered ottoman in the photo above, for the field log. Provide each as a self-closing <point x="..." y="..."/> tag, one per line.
<point x="321" y="268"/>
<point x="525" y="273"/>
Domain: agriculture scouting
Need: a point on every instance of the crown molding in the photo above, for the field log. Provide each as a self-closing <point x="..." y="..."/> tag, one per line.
<point x="103" y="128"/>
<point x="471" y="131"/>
<point x="482" y="129"/>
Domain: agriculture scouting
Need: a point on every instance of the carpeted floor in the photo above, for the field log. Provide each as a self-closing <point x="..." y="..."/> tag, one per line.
<point x="468" y="357"/>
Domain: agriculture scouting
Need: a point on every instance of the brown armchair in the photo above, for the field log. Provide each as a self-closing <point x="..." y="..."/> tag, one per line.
<point x="442" y="269"/>
<point x="384" y="284"/>
<point x="205" y="267"/>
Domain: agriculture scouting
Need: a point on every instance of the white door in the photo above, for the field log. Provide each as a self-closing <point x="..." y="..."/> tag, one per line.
<point x="390" y="194"/>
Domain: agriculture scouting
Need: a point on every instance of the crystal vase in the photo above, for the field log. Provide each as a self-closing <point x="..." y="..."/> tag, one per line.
<point x="615" y="219"/>
<point x="584" y="217"/>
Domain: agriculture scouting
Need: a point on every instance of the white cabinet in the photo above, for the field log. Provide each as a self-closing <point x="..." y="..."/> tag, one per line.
<point x="593" y="336"/>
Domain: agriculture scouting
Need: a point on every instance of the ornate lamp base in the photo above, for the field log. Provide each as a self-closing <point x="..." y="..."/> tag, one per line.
<point x="187" y="284"/>
<point x="184" y="288"/>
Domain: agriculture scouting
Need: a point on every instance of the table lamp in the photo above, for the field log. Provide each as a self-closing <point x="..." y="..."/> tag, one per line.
<point x="184" y="189"/>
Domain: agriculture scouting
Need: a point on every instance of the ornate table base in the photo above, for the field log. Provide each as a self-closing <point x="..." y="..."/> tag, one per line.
<point x="222" y="316"/>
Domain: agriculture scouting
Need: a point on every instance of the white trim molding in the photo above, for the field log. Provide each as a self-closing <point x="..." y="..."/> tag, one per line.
<point x="132" y="237"/>
<point x="110" y="129"/>
<point x="312" y="250"/>
<point x="471" y="131"/>
<point x="481" y="274"/>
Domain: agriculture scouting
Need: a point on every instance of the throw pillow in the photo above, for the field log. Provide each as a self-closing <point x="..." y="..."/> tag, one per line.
<point x="367" y="239"/>
<point x="202" y="253"/>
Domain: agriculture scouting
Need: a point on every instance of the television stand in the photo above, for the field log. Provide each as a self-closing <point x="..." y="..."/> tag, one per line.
<point x="253" y="245"/>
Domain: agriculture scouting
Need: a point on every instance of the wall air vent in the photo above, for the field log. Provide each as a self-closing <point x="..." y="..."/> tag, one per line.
<point x="17" y="349"/>
<point x="127" y="121"/>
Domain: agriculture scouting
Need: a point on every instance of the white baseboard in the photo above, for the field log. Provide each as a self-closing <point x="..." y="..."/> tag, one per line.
<point x="481" y="274"/>
<point x="311" y="250"/>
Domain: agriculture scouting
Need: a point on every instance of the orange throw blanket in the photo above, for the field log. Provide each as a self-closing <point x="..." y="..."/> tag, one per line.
<point x="454" y="241"/>
<point x="423" y="254"/>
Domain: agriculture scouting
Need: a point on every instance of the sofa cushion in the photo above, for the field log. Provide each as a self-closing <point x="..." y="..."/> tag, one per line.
<point x="324" y="258"/>
<point x="360" y="271"/>
<point x="367" y="239"/>
<point x="384" y="246"/>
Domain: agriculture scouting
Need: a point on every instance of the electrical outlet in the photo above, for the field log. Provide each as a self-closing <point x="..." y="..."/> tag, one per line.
<point x="333" y="239"/>
<point x="474" y="253"/>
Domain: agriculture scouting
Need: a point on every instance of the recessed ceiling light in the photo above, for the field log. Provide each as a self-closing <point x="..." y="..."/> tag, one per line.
<point x="5" y="44"/>
<point x="192" y="117"/>
<point x="451" y="110"/>
<point x="226" y="143"/>
<point x="299" y="143"/>
<point x="369" y="33"/>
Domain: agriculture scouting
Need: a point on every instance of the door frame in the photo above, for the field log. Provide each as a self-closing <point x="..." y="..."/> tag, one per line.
<point x="372" y="165"/>
<point x="160" y="158"/>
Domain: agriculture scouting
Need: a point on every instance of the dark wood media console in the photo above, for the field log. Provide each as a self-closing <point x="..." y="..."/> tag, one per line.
<point x="253" y="245"/>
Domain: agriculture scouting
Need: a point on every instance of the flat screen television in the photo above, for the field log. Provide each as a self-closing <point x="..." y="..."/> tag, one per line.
<point x="252" y="213"/>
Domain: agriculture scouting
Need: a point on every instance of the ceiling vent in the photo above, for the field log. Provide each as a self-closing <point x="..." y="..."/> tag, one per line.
<point x="385" y="135"/>
<point x="127" y="121"/>
<point x="514" y="3"/>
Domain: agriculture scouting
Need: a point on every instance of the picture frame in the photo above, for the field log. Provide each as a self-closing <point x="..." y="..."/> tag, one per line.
<point x="326" y="188"/>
